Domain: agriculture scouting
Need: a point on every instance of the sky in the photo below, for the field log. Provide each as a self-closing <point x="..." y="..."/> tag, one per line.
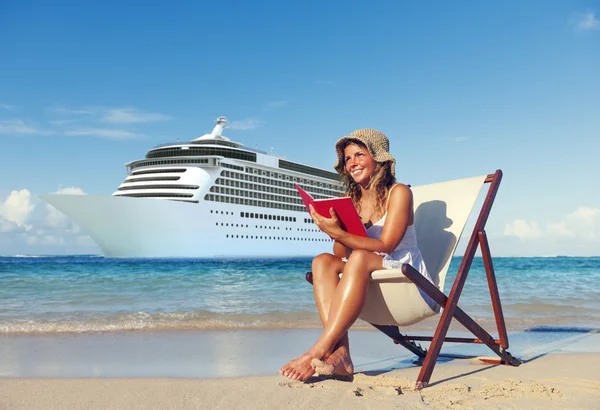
<point x="460" y="88"/>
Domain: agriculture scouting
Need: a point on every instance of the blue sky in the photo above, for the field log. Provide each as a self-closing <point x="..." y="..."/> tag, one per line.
<point x="460" y="88"/>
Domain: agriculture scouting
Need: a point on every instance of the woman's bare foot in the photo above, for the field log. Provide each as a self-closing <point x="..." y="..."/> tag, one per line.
<point x="338" y="363"/>
<point x="299" y="369"/>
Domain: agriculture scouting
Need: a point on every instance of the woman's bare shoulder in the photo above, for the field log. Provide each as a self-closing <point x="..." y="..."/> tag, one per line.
<point x="400" y="190"/>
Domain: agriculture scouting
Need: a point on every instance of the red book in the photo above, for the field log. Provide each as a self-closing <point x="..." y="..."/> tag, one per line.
<point x="343" y="207"/>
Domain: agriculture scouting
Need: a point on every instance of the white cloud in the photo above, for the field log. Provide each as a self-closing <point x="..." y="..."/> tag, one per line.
<point x="4" y="106"/>
<point x="127" y="115"/>
<point x="17" y="207"/>
<point x="581" y="225"/>
<point x="71" y="111"/>
<point x="275" y="104"/>
<point x="522" y="229"/>
<point x="84" y="122"/>
<point x="247" y="124"/>
<point x="17" y="126"/>
<point x="560" y="230"/>
<point x="131" y="115"/>
<point x="62" y="122"/>
<point x="70" y="191"/>
<point x="109" y="133"/>
<point x="585" y="21"/>
<point x="26" y="227"/>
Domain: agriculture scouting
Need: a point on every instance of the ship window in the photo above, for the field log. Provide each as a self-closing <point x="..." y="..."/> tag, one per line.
<point x="202" y="151"/>
<point x="158" y="171"/>
<point x="138" y="187"/>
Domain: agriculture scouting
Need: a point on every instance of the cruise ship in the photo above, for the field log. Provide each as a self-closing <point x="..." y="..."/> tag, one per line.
<point x="207" y="198"/>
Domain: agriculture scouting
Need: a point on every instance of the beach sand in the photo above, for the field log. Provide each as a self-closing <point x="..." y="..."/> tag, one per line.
<point x="129" y="371"/>
<point x="559" y="381"/>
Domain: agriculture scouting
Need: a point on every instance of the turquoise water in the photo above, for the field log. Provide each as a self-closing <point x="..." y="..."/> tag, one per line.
<point x="92" y="293"/>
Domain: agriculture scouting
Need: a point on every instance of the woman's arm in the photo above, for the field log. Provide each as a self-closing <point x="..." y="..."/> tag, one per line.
<point x="340" y="250"/>
<point x="399" y="217"/>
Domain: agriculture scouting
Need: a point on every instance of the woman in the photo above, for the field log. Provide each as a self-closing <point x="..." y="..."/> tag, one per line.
<point x="386" y="209"/>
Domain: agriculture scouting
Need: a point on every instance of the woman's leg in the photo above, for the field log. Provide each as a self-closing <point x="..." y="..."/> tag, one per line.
<point x="326" y="269"/>
<point x="349" y="298"/>
<point x="346" y="304"/>
<point x="325" y="272"/>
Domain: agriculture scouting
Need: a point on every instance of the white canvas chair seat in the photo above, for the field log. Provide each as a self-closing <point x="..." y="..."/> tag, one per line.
<point x="441" y="213"/>
<point x="393" y="299"/>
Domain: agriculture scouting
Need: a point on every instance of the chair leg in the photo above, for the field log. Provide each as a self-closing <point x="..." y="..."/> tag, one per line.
<point x="492" y="284"/>
<point x="434" y="350"/>
<point x="451" y="310"/>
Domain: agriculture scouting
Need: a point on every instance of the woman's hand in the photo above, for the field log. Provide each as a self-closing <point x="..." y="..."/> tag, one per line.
<point x="331" y="226"/>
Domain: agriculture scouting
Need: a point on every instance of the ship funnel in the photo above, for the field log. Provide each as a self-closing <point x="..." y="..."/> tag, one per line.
<point x="218" y="131"/>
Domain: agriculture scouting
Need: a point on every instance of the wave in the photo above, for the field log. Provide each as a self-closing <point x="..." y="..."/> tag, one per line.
<point x="196" y="320"/>
<point x="205" y="320"/>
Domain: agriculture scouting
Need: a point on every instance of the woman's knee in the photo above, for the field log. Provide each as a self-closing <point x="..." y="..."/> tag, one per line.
<point x="363" y="261"/>
<point x="325" y="265"/>
<point x="321" y="261"/>
<point x="359" y="256"/>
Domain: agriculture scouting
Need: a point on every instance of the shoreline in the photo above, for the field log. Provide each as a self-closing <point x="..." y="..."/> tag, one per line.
<point x="275" y="322"/>
<point x="239" y="369"/>
<point x="554" y="381"/>
<point x="240" y="352"/>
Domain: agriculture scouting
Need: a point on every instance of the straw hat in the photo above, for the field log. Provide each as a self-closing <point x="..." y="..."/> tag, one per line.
<point x="375" y="141"/>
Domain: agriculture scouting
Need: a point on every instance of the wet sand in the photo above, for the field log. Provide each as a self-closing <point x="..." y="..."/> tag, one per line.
<point x="238" y="369"/>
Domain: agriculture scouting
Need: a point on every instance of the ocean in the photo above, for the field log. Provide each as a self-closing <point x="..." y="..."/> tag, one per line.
<point x="84" y="294"/>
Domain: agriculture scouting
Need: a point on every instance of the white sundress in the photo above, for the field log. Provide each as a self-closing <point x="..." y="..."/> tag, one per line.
<point x="407" y="251"/>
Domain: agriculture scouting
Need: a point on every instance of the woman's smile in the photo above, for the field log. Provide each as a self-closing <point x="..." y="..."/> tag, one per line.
<point x="359" y="163"/>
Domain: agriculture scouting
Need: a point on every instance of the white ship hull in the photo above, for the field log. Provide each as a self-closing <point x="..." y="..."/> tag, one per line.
<point x="125" y="227"/>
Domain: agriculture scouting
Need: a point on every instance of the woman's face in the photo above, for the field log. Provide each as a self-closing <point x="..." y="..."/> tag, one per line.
<point x="359" y="163"/>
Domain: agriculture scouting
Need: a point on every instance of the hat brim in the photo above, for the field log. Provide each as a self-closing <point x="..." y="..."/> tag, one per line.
<point x="380" y="157"/>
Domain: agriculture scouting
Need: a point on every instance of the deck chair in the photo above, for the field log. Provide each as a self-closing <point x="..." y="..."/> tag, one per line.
<point x="394" y="295"/>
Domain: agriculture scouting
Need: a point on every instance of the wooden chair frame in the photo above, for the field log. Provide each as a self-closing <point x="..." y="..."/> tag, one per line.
<point x="450" y="302"/>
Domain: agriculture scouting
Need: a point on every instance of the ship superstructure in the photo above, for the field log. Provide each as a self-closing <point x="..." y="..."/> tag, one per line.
<point x="209" y="197"/>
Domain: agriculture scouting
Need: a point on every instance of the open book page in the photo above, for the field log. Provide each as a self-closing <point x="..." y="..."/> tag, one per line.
<point x="343" y="207"/>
